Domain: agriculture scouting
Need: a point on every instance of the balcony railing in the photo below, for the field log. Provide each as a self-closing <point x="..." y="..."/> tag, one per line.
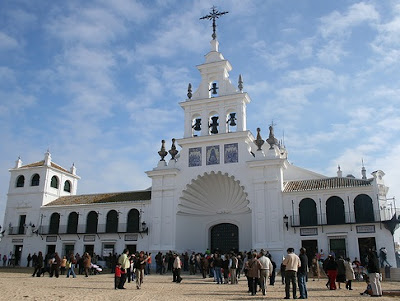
<point x="349" y="218"/>
<point x="17" y="231"/>
<point x="81" y="229"/>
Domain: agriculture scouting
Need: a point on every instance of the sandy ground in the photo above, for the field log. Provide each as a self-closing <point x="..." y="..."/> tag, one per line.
<point x="18" y="284"/>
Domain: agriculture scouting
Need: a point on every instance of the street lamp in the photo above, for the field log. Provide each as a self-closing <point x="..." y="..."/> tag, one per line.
<point x="286" y="222"/>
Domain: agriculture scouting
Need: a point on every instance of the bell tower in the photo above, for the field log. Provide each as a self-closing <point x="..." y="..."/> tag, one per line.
<point x="217" y="106"/>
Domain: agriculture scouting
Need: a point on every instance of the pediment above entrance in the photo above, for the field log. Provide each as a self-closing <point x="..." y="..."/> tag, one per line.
<point x="213" y="194"/>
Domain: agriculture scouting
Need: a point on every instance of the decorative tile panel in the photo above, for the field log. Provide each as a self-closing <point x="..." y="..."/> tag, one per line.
<point x="231" y="154"/>
<point x="212" y="155"/>
<point x="194" y="156"/>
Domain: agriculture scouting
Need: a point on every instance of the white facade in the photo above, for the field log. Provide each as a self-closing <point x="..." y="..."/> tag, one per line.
<point x="225" y="189"/>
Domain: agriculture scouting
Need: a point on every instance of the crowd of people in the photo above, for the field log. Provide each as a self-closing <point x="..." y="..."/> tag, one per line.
<point x="225" y="268"/>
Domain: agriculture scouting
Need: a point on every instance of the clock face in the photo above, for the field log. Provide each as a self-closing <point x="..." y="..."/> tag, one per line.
<point x="380" y="177"/>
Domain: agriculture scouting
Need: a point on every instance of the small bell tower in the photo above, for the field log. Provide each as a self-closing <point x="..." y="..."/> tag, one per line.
<point x="217" y="106"/>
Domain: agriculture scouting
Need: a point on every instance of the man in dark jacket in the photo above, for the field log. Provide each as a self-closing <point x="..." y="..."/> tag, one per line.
<point x="302" y="274"/>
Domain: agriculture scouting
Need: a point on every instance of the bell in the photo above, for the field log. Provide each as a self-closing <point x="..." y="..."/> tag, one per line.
<point x="232" y="119"/>
<point x="214" y="89"/>
<point x="197" y="125"/>
<point x="214" y="125"/>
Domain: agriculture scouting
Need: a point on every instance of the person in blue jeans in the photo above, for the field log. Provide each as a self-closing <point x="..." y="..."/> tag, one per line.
<point x="302" y="274"/>
<point x="71" y="265"/>
<point x="217" y="268"/>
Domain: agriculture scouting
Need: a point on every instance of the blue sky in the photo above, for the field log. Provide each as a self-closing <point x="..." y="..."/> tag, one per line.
<point x="98" y="82"/>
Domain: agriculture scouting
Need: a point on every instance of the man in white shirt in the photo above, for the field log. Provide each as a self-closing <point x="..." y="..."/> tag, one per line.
<point x="176" y="273"/>
<point x="292" y="263"/>
<point x="266" y="270"/>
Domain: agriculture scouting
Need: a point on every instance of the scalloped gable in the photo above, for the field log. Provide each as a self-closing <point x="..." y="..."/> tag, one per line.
<point x="213" y="193"/>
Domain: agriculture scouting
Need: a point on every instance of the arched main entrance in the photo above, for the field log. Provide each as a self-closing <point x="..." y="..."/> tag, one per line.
<point x="225" y="237"/>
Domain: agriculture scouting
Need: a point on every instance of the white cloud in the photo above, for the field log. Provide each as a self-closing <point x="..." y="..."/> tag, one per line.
<point x="338" y="25"/>
<point x="7" y="42"/>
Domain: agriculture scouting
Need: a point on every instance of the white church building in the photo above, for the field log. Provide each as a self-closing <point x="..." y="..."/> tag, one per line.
<point x="224" y="189"/>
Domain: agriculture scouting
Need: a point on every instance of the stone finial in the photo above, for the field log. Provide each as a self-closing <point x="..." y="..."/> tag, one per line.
<point x="240" y="83"/>
<point x="73" y="169"/>
<point x="18" y="163"/>
<point x="363" y="170"/>
<point x="271" y="138"/>
<point x="259" y="141"/>
<point x="339" y="172"/>
<point x="162" y="151"/>
<point x="189" y="94"/>
<point x="47" y="158"/>
<point x="173" y="151"/>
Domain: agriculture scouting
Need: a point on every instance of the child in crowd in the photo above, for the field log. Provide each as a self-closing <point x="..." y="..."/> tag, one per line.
<point x="117" y="275"/>
<point x="368" y="290"/>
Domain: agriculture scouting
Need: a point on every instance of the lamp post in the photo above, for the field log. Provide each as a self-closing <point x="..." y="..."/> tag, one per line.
<point x="286" y="222"/>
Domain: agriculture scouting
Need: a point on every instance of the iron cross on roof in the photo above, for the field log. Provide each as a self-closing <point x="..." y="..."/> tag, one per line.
<point x="214" y="14"/>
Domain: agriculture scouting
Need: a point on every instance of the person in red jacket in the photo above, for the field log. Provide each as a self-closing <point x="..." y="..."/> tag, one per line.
<point x="117" y="275"/>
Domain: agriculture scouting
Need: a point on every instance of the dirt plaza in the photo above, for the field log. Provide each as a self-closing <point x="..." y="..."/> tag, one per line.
<point x="18" y="284"/>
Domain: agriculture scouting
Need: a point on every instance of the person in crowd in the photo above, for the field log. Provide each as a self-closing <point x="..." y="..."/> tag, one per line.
<point x="374" y="274"/>
<point x="217" y="264"/>
<point x="9" y="258"/>
<point x="87" y="263"/>
<point x="29" y="258"/>
<point x="124" y="262"/>
<point x="55" y="265"/>
<point x="186" y="262"/>
<point x="266" y="270"/>
<point x="165" y="264"/>
<point x="253" y="273"/>
<point x="315" y="268"/>
<point x="341" y="271"/>
<point x="34" y="259"/>
<point x="283" y="271"/>
<point x="349" y="273"/>
<point x="177" y="266"/>
<point x="71" y="262"/>
<point x="140" y="265"/>
<point x="113" y="260"/>
<point x="331" y="271"/>
<point x="273" y="274"/>
<point x="368" y="290"/>
<point x="117" y="275"/>
<point x="63" y="265"/>
<point x="4" y="260"/>
<point x="233" y="265"/>
<point x="38" y="265"/>
<point x="204" y="265"/>
<point x="159" y="263"/>
<point x="171" y="259"/>
<point x="211" y="266"/>
<point x="302" y="274"/>
<point x="192" y="262"/>
<point x="291" y="263"/>
<point x="79" y="262"/>
<point x="225" y="268"/>
<point x="240" y="265"/>
<point x="321" y="256"/>
<point x="148" y="264"/>
<point x="383" y="257"/>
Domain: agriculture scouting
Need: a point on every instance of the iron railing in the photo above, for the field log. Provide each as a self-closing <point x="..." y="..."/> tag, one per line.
<point x="349" y="218"/>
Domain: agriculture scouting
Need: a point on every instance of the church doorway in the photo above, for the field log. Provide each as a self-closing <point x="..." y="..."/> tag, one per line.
<point x="225" y="238"/>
